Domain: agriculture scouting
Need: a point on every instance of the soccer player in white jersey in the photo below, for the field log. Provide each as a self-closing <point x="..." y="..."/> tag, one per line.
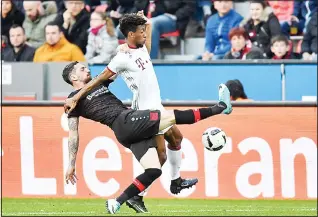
<point x="135" y="67"/>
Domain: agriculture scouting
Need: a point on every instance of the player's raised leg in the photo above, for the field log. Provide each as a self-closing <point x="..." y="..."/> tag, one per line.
<point x="191" y="116"/>
<point x="150" y="162"/>
<point x="174" y="154"/>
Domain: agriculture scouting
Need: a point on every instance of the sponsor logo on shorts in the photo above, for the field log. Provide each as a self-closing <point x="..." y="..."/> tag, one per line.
<point x="154" y="116"/>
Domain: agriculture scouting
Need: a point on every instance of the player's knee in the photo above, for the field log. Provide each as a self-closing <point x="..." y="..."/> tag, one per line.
<point x="178" y="140"/>
<point x="153" y="173"/>
<point x="162" y="158"/>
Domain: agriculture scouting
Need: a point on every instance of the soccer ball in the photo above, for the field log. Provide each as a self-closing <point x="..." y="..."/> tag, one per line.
<point x="214" y="139"/>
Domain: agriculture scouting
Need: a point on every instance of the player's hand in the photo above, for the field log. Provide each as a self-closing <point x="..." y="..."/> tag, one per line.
<point x="69" y="105"/>
<point x="141" y="14"/>
<point x="70" y="175"/>
<point x="207" y="56"/>
<point x="67" y="16"/>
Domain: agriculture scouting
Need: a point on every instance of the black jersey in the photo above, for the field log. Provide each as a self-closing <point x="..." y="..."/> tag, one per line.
<point x="99" y="105"/>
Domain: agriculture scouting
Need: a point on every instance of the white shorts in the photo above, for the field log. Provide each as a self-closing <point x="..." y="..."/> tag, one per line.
<point x="161" y="108"/>
<point x="162" y="132"/>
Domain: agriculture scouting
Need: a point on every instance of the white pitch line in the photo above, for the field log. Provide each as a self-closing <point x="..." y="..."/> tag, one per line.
<point x="47" y="213"/>
<point x="163" y="211"/>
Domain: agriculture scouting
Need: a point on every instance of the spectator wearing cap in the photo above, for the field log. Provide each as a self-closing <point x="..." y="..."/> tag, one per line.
<point x="261" y="26"/>
<point x="217" y="42"/>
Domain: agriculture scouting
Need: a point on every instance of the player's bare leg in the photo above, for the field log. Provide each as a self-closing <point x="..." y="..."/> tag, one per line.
<point x="136" y="203"/>
<point x="150" y="162"/>
<point x="174" y="153"/>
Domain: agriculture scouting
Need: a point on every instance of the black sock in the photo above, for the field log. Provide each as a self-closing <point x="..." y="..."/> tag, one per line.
<point x="194" y="115"/>
<point x="140" y="183"/>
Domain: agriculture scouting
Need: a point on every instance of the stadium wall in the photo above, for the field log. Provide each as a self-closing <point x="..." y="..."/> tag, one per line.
<point x="263" y="80"/>
<point x="271" y="154"/>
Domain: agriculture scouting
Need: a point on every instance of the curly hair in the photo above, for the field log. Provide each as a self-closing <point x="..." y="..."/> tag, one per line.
<point x="67" y="71"/>
<point x="130" y="22"/>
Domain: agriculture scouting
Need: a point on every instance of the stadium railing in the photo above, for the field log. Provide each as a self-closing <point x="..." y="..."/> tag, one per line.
<point x="263" y="80"/>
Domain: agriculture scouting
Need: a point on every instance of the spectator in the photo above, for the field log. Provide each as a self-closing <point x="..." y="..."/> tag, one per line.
<point x="19" y="52"/>
<point x="4" y="42"/>
<point x="217" y="42"/>
<point x="102" y="41"/>
<point x="90" y="4"/>
<point x="303" y="11"/>
<point x="282" y="48"/>
<point x="10" y="15"/>
<point x="282" y="10"/>
<point x="19" y="5"/>
<point x="309" y="44"/>
<point x="236" y="89"/>
<point x="74" y="22"/>
<point x="37" y="16"/>
<point x="240" y="45"/>
<point x="57" y="48"/>
<point x="116" y="9"/>
<point x="261" y="26"/>
<point x="167" y="16"/>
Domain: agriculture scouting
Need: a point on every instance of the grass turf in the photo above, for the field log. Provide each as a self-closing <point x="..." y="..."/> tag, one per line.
<point x="160" y="207"/>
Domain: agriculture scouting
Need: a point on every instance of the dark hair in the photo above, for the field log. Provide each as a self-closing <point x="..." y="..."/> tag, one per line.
<point x="53" y="23"/>
<point x="236" y="89"/>
<point x="14" y="26"/>
<point x="130" y="22"/>
<point x="280" y="38"/>
<point x="262" y="2"/>
<point x="67" y="71"/>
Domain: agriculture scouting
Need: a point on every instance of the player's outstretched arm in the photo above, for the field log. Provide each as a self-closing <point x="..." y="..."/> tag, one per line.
<point x="73" y="143"/>
<point x="102" y="77"/>
<point x="148" y="30"/>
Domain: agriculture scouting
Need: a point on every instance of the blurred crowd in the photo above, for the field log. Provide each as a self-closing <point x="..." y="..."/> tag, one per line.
<point x="87" y="30"/>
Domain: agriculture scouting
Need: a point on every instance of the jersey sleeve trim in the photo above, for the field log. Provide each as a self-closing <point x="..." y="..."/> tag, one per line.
<point x="114" y="73"/>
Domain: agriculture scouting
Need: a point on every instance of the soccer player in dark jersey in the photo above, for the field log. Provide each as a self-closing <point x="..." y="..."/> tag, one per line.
<point x="134" y="129"/>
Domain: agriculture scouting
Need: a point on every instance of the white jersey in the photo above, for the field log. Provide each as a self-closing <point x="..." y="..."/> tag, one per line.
<point x="137" y="70"/>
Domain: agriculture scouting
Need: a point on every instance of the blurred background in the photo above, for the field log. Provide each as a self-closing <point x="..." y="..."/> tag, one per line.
<point x="269" y="46"/>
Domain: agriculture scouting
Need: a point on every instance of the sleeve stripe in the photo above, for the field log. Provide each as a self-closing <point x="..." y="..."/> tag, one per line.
<point x="111" y="70"/>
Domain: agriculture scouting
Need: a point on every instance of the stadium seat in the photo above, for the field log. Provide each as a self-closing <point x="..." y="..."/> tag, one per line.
<point x="175" y="34"/>
<point x="59" y="96"/>
<point x="19" y="96"/>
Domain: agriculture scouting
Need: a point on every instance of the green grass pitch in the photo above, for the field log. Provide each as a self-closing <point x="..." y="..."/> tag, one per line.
<point x="160" y="207"/>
